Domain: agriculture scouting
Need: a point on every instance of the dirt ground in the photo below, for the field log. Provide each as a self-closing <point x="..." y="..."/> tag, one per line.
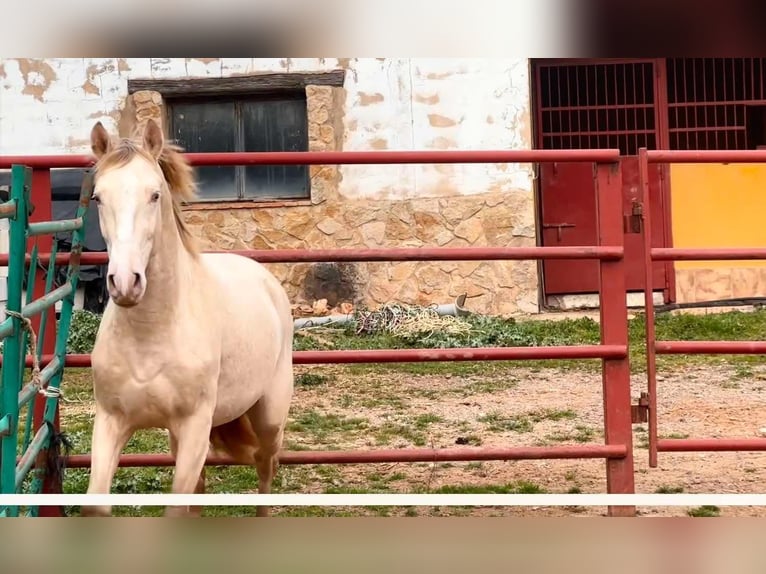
<point x="534" y="407"/>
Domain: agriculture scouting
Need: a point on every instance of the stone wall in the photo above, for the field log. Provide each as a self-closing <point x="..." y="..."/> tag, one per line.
<point x="330" y="220"/>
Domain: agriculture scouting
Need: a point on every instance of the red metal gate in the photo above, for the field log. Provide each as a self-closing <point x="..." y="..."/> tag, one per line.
<point x="608" y="250"/>
<point x="582" y="104"/>
<point x="654" y="347"/>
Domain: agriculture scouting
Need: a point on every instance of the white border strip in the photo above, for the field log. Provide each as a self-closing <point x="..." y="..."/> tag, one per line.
<point x="383" y="499"/>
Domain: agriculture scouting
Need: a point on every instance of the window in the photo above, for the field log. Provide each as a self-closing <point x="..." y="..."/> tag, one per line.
<point x="603" y="105"/>
<point x="245" y="123"/>
<point x="716" y="103"/>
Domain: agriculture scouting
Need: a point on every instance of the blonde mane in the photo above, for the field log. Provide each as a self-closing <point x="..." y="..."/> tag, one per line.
<point x="177" y="172"/>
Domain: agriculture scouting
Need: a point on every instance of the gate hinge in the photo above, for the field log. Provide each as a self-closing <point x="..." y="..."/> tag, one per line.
<point x="633" y="223"/>
<point x="639" y="413"/>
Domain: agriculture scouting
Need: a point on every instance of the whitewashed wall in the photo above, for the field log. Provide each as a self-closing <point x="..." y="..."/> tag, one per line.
<point x="48" y="106"/>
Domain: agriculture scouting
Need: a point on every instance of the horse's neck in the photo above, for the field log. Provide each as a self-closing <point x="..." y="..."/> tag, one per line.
<point x="169" y="279"/>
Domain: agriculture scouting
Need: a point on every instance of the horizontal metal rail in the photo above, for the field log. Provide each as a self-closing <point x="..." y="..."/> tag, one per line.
<point x="6" y="329"/>
<point x="340" y="158"/>
<point x="710" y="347"/>
<point x="49" y="227"/>
<point x="385" y="456"/>
<point x="46" y="374"/>
<point x="711" y="444"/>
<point x="706" y="156"/>
<point x="420" y="355"/>
<point x="708" y="254"/>
<point x="47" y="300"/>
<point x="606" y="253"/>
<point x="8" y="209"/>
<point x="28" y="458"/>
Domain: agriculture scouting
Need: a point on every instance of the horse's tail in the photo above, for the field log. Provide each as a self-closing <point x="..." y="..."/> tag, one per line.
<point x="236" y="439"/>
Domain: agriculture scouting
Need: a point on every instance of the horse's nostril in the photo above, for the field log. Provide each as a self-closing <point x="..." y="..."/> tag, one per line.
<point x="136" y="280"/>
<point x="110" y="279"/>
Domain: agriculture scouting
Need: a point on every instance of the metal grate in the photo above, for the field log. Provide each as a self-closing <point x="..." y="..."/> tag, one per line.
<point x="715" y="103"/>
<point x="608" y="105"/>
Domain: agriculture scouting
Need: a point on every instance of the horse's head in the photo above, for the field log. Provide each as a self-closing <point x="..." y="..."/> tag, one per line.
<point x="130" y="191"/>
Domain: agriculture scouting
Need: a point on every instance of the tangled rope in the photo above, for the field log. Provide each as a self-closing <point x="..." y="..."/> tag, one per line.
<point x="36" y="379"/>
<point x="408" y="320"/>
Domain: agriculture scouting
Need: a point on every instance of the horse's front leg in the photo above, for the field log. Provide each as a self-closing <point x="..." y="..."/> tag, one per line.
<point x="110" y="434"/>
<point x="200" y="488"/>
<point x="191" y="438"/>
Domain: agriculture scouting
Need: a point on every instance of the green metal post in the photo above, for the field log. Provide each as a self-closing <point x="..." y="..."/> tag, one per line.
<point x="13" y="354"/>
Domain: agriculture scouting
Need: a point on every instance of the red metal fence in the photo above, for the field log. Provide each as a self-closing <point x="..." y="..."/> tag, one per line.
<point x="613" y="350"/>
<point x="654" y="347"/>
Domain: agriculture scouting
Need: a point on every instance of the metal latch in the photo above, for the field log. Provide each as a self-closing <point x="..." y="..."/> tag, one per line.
<point x="633" y="223"/>
<point x="558" y="227"/>
<point x="639" y="413"/>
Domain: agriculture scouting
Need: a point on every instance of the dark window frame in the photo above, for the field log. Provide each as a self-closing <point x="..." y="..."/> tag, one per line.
<point x="238" y="102"/>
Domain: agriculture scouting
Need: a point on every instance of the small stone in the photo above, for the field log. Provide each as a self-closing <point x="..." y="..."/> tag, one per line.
<point x="469" y="230"/>
<point x="329" y="226"/>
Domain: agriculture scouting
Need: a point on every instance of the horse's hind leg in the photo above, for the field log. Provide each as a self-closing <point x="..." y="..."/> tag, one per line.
<point x="200" y="488"/>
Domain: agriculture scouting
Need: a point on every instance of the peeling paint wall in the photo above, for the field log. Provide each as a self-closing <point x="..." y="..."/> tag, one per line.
<point x="49" y="106"/>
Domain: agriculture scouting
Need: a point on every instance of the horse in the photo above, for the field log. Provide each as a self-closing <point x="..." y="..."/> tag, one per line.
<point x="199" y="344"/>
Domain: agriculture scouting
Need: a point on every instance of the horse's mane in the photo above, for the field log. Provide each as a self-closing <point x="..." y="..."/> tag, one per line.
<point x="178" y="174"/>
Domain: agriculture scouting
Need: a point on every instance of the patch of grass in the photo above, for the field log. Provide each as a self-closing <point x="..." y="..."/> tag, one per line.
<point x="706" y="511"/>
<point x="551" y="415"/>
<point x="312" y="379"/>
<point x="743" y="372"/>
<point x="498" y="423"/>
<point x="519" y="487"/>
<point x="321" y="426"/>
<point x="388" y="432"/>
<point x="669" y="490"/>
<point x="676" y="435"/>
<point x="422" y="421"/>
<point x="581" y="434"/>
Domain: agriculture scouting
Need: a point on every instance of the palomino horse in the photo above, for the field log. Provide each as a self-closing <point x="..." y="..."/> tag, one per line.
<point x="196" y="343"/>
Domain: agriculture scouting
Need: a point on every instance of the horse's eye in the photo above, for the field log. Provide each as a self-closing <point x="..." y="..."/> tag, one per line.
<point x="95" y="198"/>
<point x="155" y="196"/>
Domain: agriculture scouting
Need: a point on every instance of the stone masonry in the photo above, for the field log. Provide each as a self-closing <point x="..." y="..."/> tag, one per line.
<point x="331" y="220"/>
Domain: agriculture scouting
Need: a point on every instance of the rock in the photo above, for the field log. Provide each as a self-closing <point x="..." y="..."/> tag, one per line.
<point x="329" y="226"/>
<point x="470" y="230"/>
<point x="320" y="307"/>
<point x="373" y="232"/>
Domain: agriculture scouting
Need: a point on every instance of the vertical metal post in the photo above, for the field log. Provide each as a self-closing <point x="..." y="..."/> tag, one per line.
<point x="43" y="211"/>
<point x="13" y="353"/>
<point x="614" y="331"/>
<point x="651" y="355"/>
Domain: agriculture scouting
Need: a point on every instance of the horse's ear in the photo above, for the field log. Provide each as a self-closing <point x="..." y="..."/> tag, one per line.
<point x="99" y="140"/>
<point x="153" y="139"/>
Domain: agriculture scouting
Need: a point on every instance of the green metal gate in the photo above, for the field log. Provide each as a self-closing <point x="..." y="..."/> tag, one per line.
<point x="24" y="458"/>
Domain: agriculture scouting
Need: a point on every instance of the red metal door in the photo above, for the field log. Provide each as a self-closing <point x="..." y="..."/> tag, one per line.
<point x="569" y="218"/>
<point x="595" y="104"/>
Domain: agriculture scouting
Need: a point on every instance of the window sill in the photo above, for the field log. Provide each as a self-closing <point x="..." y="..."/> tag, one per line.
<point x="246" y="204"/>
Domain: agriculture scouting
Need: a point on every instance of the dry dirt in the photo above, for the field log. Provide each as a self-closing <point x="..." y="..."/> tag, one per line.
<point x="401" y="409"/>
